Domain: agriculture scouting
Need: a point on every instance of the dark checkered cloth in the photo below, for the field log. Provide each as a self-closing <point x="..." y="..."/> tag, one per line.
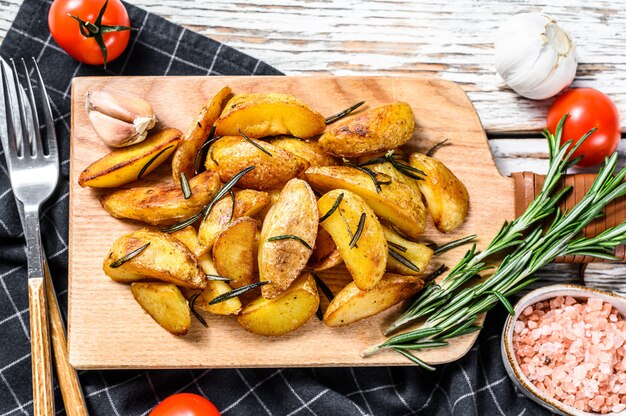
<point x="474" y="385"/>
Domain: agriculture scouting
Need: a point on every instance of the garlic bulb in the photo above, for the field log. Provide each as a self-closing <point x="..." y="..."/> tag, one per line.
<point x="534" y="56"/>
<point x="119" y="118"/>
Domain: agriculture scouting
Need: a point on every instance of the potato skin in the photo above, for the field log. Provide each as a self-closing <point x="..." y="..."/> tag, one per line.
<point x="247" y="203"/>
<point x="367" y="260"/>
<point x="231" y="154"/>
<point x="307" y="150"/>
<point x="386" y="127"/>
<point x="261" y="115"/>
<point x="165" y="259"/>
<point x="282" y="314"/>
<point x="352" y="304"/>
<point x="165" y="304"/>
<point x="196" y="134"/>
<point x="446" y="197"/>
<point x="162" y="204"/>
<point x="295" y="213"/>
<point x="233" y="251"/>
<point x="325" y="253"/>
<point x="123" y="165"/>
<point x="396" y="202"/>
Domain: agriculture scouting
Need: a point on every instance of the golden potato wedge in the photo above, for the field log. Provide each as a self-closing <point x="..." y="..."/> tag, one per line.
<point x="293" y="215"/>
<point x="123" y="165"/>
<point x="165" y="258"/>
<point x="231" y="154"/>
<point x="260" y="115"/>
<point x="395" y="202"/>
<point x="417" y="255"/>
<point x="382" y="128"/>
<point x="162" y="205"/>
<point x="446" y="197"/>
<point x="353" y="304"/>
<point x="233" y="251"/>
<point x="247" y="203"/>
<point x="196" y="134"/>
<point x="282" y="314"/>
<point x="165" y="304"/>
<point x="366" y="260"/>
<point x="189" y="237"/>
<point x="307" y="150"/>
<point x="325" y="253"/>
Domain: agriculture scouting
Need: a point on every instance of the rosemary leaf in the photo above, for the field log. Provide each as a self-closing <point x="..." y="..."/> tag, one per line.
<point x="422" y="345"/>
<point x="184" y="185"/>
<point x="192" y="304"/>
<point x="405" y="262"/>
<point x="232" y="208"/>
<point x="151" y="161"/>
<point x="436" y="273"/>
<point x="196" y="160"/>
<point x="403" y="168"/>
<point x="333" y="208"/>
<point x="255" y="144"/>
<point x="397" y="246"/>
<point x="414" y="359"/>
<point x="183" y="224"/>
<point x="117" y="263"/>
<point x="325" y="289"/>
<point x="359" y="230"/>
<point x="236" y="292"/>
<point x="217" y="277"/>
<point x="290" y="237"/>
<point x="503" y="300"/>
<point x="319" y="313"/>
<point x="453" y="244"/>
<point x="430" y="152"/>
<point x="369" y="172"/>
<point x="332" y="119"/>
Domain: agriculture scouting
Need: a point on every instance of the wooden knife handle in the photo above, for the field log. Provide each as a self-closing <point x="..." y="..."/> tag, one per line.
<point x="73" y="398"/>
<point x="528" y="185"/>
<point x="43" y="399"/>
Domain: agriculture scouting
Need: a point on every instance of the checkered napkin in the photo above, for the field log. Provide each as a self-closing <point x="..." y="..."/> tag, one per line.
<point x="474" y="385"/>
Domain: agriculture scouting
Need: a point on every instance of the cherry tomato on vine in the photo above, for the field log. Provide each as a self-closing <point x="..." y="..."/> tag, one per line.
<point x="185" y="404"/>
<point x="91" y="31"/>
<point x="587" y="108"/>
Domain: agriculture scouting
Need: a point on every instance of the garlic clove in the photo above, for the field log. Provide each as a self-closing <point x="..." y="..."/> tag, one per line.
<point x="114" y="132"/>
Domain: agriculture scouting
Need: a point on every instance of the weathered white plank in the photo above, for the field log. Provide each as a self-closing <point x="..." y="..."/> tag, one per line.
<point x="449" y="39"/>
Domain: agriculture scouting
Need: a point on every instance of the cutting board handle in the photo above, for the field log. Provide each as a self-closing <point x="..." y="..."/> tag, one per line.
<point x="528" y="185"/>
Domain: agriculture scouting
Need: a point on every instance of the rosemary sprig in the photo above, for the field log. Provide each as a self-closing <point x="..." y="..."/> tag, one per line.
<point x="192" y="307"/>
<point x="236" y="292"/>
<point x="456" y="314"/>
<point x="342" y="114"/>
<point x="117" y="263"/>
<point x="290" y="237"/>
<point x="403" y="168"/>
<point x="255" y="144"/>
<point x="333" y="208"/>
<point x="430" y="152"/>
<point x="210" y="139"/>
<point x="151" y="161"/>
<point x="184" y="185"/>
<point x="359" y="230"/>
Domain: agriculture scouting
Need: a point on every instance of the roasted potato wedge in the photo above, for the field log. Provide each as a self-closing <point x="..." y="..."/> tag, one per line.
<point x="325" y="253"/>
<point x="382" y="128"/>
<point x="165" y="304"/>
<point x="293" y="215"/>
<point x="260" y="115"/>
<point x="233" y="251"/>
<point x="366" y="260"/>
<point x="162" y="204"/>
<point x="415" y="254"/>
<point x="446" y="197"/>
<point x="193" y="139"/>
<point x="231" y="154"/>
<point x="123" y="165"/>
<point x="352" y="304"/>
<point x="165" y="258"/>
<point x="247" y="203"/>
<point x="395" y="202"/>
<point x="307" y="150"/>
<point x="282" y="314"/>
<point x="189" y="237"/>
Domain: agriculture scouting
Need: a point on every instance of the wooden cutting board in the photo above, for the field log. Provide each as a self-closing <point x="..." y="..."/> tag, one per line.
<point x="108" y="329"/>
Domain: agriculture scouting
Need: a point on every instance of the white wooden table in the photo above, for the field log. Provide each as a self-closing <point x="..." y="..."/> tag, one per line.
<point x="438" y="38"/>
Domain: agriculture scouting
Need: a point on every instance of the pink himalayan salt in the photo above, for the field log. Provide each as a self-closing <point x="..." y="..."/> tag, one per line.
<point x="575" y="352"/>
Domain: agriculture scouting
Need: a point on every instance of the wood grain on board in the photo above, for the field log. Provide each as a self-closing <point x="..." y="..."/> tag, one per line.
<point x="108" y="329"/>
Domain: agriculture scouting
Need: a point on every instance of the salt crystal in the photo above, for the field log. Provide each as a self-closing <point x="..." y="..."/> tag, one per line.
<point x="527" y="311"/>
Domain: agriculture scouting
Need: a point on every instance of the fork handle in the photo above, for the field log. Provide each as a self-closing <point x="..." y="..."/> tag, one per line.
<point x="43" y="399"/>
<point x="73" y="398"/>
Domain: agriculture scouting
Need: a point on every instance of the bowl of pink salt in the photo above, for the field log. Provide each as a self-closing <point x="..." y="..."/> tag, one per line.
<point x="565" y="348"/>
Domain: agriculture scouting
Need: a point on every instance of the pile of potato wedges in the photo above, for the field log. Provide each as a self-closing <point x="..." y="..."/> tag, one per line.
<point x="269" y="197"/>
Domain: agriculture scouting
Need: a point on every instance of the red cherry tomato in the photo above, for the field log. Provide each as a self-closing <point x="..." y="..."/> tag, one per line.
<point x="66" y="30"/>
<point x="185" y="404"/>
<point x="587" y="108"/>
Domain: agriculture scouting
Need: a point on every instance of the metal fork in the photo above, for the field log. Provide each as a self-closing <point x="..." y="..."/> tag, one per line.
<point x="34" y="172"/>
